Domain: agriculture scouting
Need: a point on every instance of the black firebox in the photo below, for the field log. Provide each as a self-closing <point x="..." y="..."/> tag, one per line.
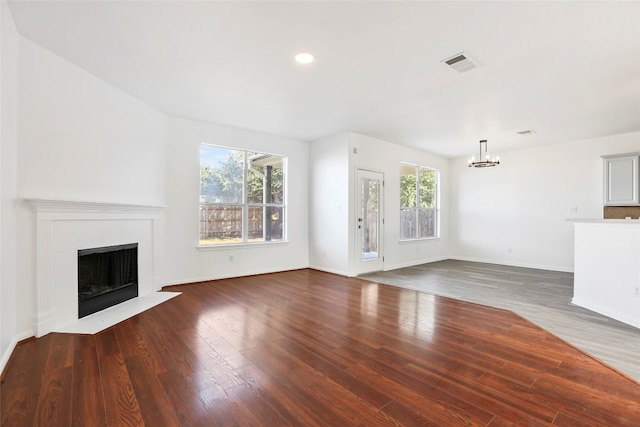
<point x="106" y="276"/>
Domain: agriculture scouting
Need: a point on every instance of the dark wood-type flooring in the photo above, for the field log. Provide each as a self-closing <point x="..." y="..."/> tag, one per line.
<point x="306" y="348"/>
<point x="542" y="296"/>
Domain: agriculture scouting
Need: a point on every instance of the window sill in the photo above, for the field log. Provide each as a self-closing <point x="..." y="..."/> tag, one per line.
<point x="205" y="248"/>
<point x="419" y="240"/>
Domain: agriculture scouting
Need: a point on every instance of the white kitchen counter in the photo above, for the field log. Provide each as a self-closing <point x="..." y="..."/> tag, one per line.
<point x="632" y="221"/>
<point x="607" y="268"/>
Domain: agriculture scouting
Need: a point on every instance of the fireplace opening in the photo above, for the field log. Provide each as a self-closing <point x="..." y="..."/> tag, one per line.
<point x="106" y="276"/>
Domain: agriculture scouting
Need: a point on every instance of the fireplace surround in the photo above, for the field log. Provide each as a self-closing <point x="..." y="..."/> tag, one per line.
<point x="65" y="227"/>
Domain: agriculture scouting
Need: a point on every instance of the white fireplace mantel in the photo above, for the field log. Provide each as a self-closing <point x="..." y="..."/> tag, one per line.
<point x="63" y="227"/>
<point x="68" y="206"/>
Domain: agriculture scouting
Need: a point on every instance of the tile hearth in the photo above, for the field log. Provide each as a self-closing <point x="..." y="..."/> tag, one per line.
<point x="111" y="316"/>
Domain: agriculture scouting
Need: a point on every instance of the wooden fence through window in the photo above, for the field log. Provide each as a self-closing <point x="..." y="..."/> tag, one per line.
<point x="426" y="225"/>
<point x="224" y="222"/>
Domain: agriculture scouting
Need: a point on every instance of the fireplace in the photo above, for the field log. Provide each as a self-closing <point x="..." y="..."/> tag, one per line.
<point x="64" y="227"/>
<point x="106" y="276"/>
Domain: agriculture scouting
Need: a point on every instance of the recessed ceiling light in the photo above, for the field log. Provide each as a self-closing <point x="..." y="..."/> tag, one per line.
<point x="304" y="58"/>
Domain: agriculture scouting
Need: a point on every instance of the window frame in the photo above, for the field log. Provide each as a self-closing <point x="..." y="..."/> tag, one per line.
<point x="245" y="204"/>
<point x="436" y="208"/>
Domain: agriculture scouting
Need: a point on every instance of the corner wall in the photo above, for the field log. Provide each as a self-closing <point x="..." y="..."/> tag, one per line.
<point x="517" y="213"/>
<point x="79" y="139"/>
<point x="335" y="161"/>
<point x="382" y="156"/>
<point x="8" y="182"/>
<point x="329" y="204"/>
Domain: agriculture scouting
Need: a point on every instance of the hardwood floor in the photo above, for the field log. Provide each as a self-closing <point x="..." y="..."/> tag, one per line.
<point x="542" y="296"/>
<point x="306" y="348"/>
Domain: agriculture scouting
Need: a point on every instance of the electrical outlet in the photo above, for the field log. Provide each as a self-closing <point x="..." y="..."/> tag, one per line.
<point x="573" y="209"/>
<point x="230" y="258"/>
<point x="509" y="250"/>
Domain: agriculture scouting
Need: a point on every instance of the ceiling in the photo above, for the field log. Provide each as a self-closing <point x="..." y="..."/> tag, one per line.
<point x="568" y="70"/>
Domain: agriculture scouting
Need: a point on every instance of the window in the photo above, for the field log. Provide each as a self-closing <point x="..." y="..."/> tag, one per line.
<point x="242" y="196"/>
<point x="419" y="210"/>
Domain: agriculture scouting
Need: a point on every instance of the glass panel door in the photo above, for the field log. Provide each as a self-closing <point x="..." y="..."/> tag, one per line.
<point x="369" y="221"/>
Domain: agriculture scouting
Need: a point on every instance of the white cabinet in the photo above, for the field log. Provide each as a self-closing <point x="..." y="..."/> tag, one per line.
<point x="621" y="180"/>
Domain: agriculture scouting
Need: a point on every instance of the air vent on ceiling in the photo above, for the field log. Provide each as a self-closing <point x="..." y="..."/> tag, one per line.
<point x="527" y="132"/>
<point x="461" y="62"/>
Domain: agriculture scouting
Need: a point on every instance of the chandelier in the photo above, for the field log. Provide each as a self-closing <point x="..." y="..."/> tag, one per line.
<point x="487" y="160"/>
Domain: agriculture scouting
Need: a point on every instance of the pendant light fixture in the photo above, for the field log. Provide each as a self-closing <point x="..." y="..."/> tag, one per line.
<point x="488" y="161"/>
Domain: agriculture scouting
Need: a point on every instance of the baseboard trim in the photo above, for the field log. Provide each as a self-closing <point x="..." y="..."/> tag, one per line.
<point x="177" y="282"/>
<point x="514" y="264"/>
<point x="329" y="270"/>
<point x="8" y="354"/>
<point x="606" y="312"/>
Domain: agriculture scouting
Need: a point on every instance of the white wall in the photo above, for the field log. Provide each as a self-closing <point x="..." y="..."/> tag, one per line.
<point x="8" y="181"/>
<point x="381" y="156"/>
<point x="190" y="264"/>
<point x="516" y="213"/>
<point x="79" y="139"/>
<point x="82" y="139"/>
<point x="329" y="204"/>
